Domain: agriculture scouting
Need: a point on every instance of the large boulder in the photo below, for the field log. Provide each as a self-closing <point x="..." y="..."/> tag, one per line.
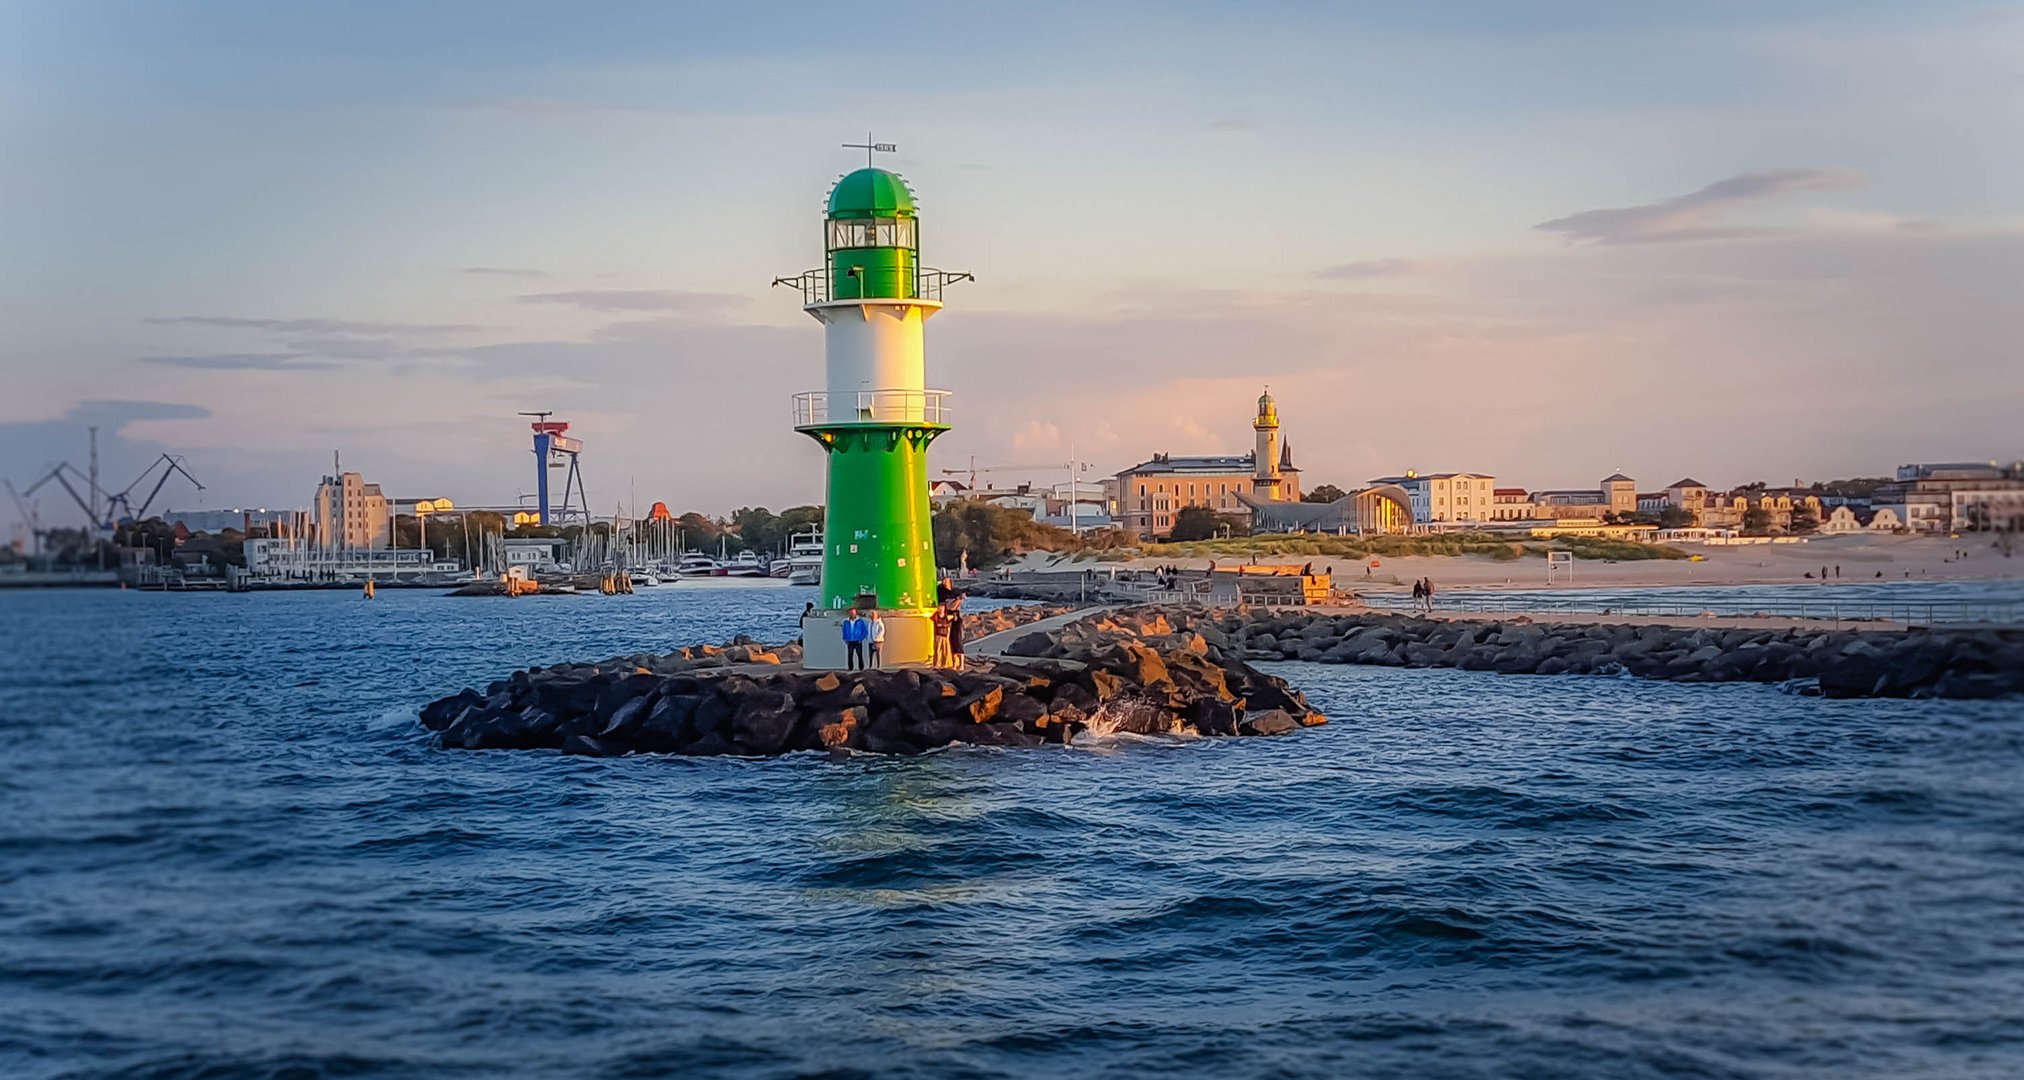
<point x="1269" y="722"/>
<point x="670" y="722"/>
<point x="762" y="722"/>
<point x="839" y="727"/>
<point x="438" y="714"/>
<point x="1033" y="644"/>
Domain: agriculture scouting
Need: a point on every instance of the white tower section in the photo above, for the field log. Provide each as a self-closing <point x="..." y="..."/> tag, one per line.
<point x="875" y="363"/>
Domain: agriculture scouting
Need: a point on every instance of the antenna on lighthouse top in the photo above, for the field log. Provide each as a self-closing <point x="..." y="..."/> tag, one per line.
<point x="869" y="147"/>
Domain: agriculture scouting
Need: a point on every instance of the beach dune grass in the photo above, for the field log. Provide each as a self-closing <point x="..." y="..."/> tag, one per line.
<point x="1491" y="545"/>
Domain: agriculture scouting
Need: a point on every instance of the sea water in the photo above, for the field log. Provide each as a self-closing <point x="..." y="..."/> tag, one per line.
<point x="228" y="850"/>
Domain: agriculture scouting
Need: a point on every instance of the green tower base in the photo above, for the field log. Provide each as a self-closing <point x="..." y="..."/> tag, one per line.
<point x="878" y="540"/>
<point x="878" y="535"/>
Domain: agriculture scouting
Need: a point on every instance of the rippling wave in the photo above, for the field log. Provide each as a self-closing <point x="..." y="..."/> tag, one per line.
<point x="230" y="852"/>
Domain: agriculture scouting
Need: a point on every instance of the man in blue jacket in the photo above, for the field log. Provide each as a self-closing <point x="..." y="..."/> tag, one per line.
<point x="855" y="631"/>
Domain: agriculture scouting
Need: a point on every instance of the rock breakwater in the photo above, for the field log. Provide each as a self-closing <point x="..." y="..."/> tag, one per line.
<point x="1138" y="676"/>
<point x="1838" y="663"/>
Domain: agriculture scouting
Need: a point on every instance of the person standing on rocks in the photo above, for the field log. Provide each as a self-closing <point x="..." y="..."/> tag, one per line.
<point x="942" y="621"/>
<point x="876" y="635"/>
<point x="855" y="631"/>
<point x="956" y="633"/>
<point x="805" y="613"/>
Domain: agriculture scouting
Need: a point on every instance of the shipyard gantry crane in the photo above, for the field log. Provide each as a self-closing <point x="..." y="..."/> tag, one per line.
<point x="553" y="449"/>
<point x="170" y="465"/>
<point x="119" y="508"/>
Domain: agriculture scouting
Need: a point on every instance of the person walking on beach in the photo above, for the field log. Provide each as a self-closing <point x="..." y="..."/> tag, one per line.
<point x="855" y="630"/>
<point x="1430" y="595"/>
<point x="942" y="621"/>
<point x="876" y="636"/>
<point x="1419" y="596"/>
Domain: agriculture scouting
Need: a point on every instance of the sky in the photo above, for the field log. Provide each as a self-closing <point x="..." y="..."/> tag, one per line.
<point x="1550" y="241"/>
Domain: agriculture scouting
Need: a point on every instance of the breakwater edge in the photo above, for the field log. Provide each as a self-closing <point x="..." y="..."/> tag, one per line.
<point x="1132" y="675"/>
<point x="1920" y="662"/>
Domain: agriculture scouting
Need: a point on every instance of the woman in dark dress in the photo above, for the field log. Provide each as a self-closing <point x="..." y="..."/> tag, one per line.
<point x="956" y="633"/>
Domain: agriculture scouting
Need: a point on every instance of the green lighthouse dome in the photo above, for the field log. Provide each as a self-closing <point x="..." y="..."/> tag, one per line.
<point x="871" y="192"/>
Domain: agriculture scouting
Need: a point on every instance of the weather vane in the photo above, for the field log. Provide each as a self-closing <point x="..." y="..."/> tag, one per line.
<point x="869" y="147"/>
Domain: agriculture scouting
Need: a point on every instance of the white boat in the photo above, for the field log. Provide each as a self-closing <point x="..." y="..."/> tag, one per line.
<point x="746" y="564"/>
<point x="804" y="559"/>
<point x="641" y="577"/>
<point x="695" y="564"/>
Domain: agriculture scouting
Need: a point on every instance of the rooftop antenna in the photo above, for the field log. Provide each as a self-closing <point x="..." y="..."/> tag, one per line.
<point x="870" y="147"/>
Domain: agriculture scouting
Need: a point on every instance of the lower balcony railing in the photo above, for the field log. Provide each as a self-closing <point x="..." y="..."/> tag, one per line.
<point x="872" y="407"/>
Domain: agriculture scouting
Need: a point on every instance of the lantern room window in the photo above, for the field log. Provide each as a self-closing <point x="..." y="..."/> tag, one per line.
<point x="872" y="232"/>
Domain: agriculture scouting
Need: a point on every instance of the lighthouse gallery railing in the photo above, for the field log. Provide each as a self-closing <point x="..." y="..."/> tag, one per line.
<point x="871" y="407"/>
<point x="814" y="285"/>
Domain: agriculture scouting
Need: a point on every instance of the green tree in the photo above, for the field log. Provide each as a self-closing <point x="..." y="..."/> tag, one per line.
<point x="989" y="534"/>
<point x="1675" y="517"/>
<point x="444" y="532"/>
<point x="1804" y="520"/>
<point x="1198" y="523"/>
<point x="1326" y="493"/>
<point x="699" y="533"/>
<point x="759" y="529"/>
<point x="756" y="528"/>
<point x="1757" y="521"/>
<point x="796" y="519"/>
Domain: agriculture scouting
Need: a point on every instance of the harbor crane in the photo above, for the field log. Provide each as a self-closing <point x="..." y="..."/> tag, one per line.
<point x="118" y="508"/>
<point x="553" y="449"/>
<point x="975" y="468"/>
<point x="170" y="465"/>
<point x="1075" y="466"/>
<point x="57" y="474"/>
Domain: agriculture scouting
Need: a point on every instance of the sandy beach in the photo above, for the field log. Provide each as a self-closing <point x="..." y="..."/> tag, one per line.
<point x="1860" y="558"/>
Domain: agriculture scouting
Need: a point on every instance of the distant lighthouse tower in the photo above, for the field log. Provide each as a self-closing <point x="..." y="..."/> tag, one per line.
<point x="875" y="417"/>
<point x="1265" y="480"/>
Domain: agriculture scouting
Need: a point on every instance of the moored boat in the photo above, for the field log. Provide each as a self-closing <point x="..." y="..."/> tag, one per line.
<point x="695" y="564"/>
<point x="804" y="558"/>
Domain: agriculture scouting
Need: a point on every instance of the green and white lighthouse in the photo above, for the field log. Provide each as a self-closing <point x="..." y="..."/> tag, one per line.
<point x="874" y="417"/>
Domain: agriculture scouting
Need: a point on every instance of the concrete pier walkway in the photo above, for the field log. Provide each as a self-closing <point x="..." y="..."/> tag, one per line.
<point x="994" y="645"/>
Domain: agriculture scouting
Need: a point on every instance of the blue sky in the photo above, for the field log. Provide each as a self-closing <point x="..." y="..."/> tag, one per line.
<point x="1550" y="240"/>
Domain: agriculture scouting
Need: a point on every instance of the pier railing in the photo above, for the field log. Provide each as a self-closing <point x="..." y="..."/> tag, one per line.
<point x="1907" y="613"/>
<point x="818" y="407"/>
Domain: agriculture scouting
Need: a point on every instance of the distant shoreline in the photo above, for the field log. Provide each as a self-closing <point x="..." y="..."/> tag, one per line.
<point x="1861" y="558"/>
